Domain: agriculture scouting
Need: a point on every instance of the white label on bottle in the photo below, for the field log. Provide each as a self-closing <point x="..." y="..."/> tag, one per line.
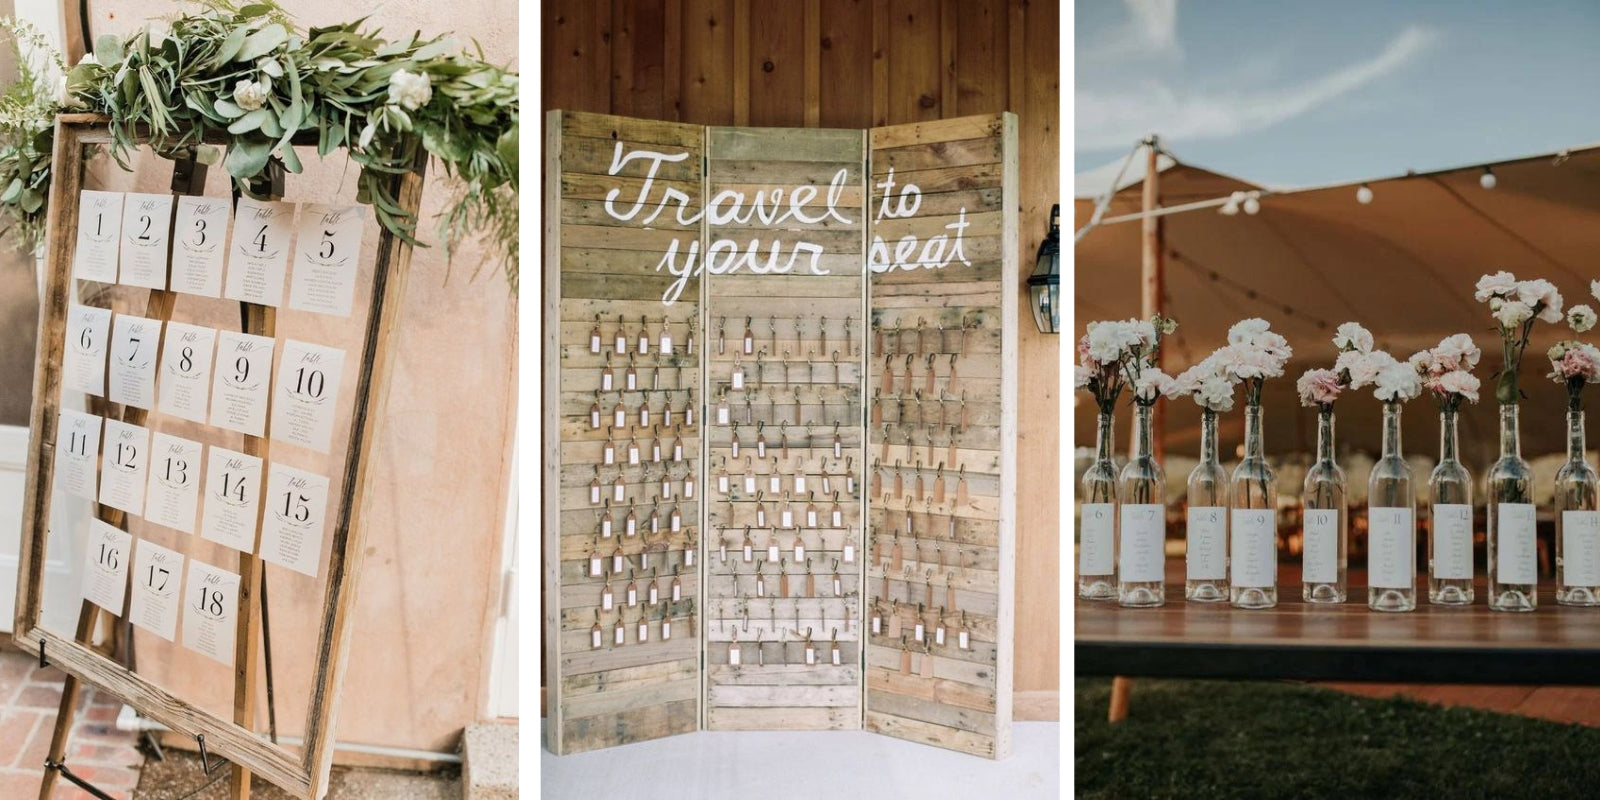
<point x="1391" y="548"/>
<point x="1517" y="559"/>
<point x="1254" y="547"/>
<point x="1095" y="539"/>
<point x="1580" y="548"/>
<point x="1452" y="541"/>
<point x="1142" y="557"/>
<point x="1321" y="546"/>
<point x="1208" y="543"/>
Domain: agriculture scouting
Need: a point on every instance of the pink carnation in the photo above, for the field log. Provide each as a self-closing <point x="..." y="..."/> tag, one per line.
<point x="1578" y="362"/>
<point x="1319" y="387"/>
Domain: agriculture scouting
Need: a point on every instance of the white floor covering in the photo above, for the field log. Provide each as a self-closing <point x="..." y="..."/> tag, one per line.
<point x="814" y="765"/>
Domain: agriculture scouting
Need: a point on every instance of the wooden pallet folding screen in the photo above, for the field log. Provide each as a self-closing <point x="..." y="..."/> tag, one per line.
<point x="789" y="409"/>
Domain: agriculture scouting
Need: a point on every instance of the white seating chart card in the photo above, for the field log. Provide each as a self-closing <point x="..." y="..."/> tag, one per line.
<point x="157" y="576"/>
<point x="134" y="341"/>
<point x="123" y="470"/>
<point x="327" y="257"/>
<point x="200" y="234"/>
<point x="211" y="603"/>
<point x="258" y="254"/>
<point x="307" y="395"/>
<point x="99" y="221"/>
<point x="105" y="574"/>
<point x="233" y="497"/>
<point x="185" y="386"/>
<point x="244" y="373"/>
<point x="291" y="530"/>
<point x="174" y="485"/>
<point x="146" y="224"/>
<point x="77" y="451"/>
<point x="83" y="360"/>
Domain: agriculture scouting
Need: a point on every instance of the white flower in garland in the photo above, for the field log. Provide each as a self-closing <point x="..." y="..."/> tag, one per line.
<point x="249" y="95"/>
<point x="410" y="90"/>
<point x="1581" y="318"/>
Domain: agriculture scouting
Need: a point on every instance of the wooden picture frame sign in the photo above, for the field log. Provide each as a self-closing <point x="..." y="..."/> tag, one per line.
<point x="305" y="773"/>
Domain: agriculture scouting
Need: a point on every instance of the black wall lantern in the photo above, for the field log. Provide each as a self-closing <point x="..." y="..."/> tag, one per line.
<point x="1044" y="285"/>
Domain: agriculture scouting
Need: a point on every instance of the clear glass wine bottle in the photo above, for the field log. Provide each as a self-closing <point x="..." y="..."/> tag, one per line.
<point x="1577" y="523"/>
<point x="1206" y="561"/>
<point x="1253" y="523"/>
<point x="1142" y="521"/>
<point x="1450" y="523"/>
<point x="1513" y="545"/>
<point x="1326" y="517"/>
<point x="1391" y="525"/>
<point x="1098" y="519"/>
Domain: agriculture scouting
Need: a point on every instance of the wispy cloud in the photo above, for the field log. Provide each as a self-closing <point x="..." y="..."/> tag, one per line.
<point x="1151" y="31"/>
<point x="1115" y="119"/>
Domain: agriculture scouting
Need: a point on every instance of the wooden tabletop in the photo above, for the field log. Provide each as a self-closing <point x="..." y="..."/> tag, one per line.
<point x="1346" y="641"/>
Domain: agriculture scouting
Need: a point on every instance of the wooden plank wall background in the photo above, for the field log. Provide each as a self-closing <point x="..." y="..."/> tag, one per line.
<point x="861" y="64"/>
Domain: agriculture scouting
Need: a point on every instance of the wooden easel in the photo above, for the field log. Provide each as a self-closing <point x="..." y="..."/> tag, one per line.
<point x="188" y="179"/>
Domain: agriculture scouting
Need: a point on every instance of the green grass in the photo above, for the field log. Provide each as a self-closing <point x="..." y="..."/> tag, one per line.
<point x="1225" y="739"/>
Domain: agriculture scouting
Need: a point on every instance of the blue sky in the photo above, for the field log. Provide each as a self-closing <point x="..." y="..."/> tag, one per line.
<point x="1304" y="92"/>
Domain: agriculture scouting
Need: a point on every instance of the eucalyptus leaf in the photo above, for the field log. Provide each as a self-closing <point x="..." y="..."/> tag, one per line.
<point x="262" y="42"/>
<point x="247" y="157"/>
<point x="250" y="121"/>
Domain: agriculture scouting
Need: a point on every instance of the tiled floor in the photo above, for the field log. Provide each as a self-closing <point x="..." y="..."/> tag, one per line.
<point x="97" y="751"/>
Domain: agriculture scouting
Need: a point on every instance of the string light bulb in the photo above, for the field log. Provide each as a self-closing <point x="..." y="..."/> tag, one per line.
<point x="1231" y="207"/>
<point x="1364" y="194"/>
<point x="1251" y="204"/>
<point x="1487" y="179"/>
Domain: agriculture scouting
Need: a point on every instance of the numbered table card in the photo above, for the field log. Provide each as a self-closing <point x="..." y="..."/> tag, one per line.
<point x="185" y="385"/>
<point x="211" y="602"/>
<point x="291" y="530"/>
<point x="200" y="232"/>
<point x="83" y="359"/>
<point x="105" y="574"/>
<point x="326" y="258"/>
<point x="157" y="575"/>
<point x="133" y="360"/>
<point x="146" y="222"/>
<point x="307" y="395"/>
<point x="243" y="376"/>
<point x="174" y="493"/>
<point x="99" y="220"/>
<point x="258" y="254"/>
<point x="122" y="477"/>
<point x="233" y="499"/>
<point x="77" y="450"/>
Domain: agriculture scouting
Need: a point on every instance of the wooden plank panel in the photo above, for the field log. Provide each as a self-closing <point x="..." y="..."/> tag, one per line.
<point x="981" y="57"/>
<point x="577" y="42"/>
<point x="708" y="62"/>
<point x="638" y="58"/>
<point x="777" y="65"/>
<point x="913" y="61"/>
<point x="847" y="63"/>
<point x="811" y="50"/>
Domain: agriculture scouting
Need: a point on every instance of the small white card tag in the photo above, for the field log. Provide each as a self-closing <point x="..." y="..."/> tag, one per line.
<point x="1518" y="553"/>
<point x="242" y="384"/>
<point x="233" y="499"/>
<point x="1207" y="559"/>
<point x="211" y="601"/>
<point x="327" y="258"/>
<point x="200" y="234"/>
<point x="123" y="470"/>
<point x="157" y="577"/>
<point x="307" y="396"/>
<point x="77" y="452"/>
<point x="134" y="342"/>
<point x="1452" y="541"/>
<point x="1141" y="555"/>
<point x="99" y="221"/>
<point x="146" y="224"/>
<point x="174" y="493"/>
<point x="258" y="254"/>
<point x="83" y="358"/>
<point x="185" y="386"/>
<point x="1391" y="548"/>
<point x="1321" y="546"/>
<point x="1254" y="547"/>
<point x="1580" y="548"/>
<point x="291" y="530"/>
<point x="105" y="573"/>
<point x="1095" y="546"/>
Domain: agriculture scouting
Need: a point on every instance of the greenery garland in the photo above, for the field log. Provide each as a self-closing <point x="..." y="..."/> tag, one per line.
<point x="246" y="70"/>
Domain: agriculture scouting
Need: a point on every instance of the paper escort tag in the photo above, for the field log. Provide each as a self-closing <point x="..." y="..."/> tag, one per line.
<point x="77" y="452"/>
<point x="157" y="577"/>
<point x="258" y="254"/>
<point x="83" y="358"/>
<point x="233" y="499"/>
<point x="134" y="342"/>
<point x="210" y="604"/>
<point x="199" y="245"/>
<point x="307" y="397"/>
<point x="292" y="528"/>
<point x="146" y="224"/>
<point x="241" y="386"/>
<point x="105" y="574"/>
<point x="184" y="389"/>
<point x="327" y="258"/>
<point x="173" y="495"/>
<point x="99" y="222"/>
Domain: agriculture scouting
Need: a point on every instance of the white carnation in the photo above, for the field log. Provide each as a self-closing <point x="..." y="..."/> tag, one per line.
<point x="1512" y="313"/>
<point x="1351" y="335"/>
<point x="1581" y="318"/>
<point x="1460" y="382"/>
<point x="1216" y="393"/>
<point x="410" y="90"/>
<point x="1458" y="351"/>
<point x="1500" y="284"/>
<point x="1540" y="293"/>
<point x="1594" y="289"/>
<point x="1245" y="330"/>
<point x="1081" y="376"/>
<point x="1396" y="382"/>
<point x="249" y="95"/>
<point x="1151" y="384"/>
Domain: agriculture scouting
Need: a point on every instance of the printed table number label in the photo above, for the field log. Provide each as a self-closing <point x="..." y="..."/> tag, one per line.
<point x="146" y="225"/>
<point x="105" y="575"/>
<point x="210" y="604"/>
<point x="233" y="495"/>
<point x="258" y="253"/>
<point x="185" y="386"/>
<point x="123" y="470"/>
<point x="1254" y="554"/>
<point x="327" y="257"/>
<point x="200" y="236"/>
<point x="157" y="577"/>
<point x="1141" y="555"/>
<point x="1391" y="548"/>
<point x="1580" y="548"/>
<point x="134" y="342"/>
<point x="77" y="452"/>
<point x="83" y="358"/>
<point x="1518" y="553"/>
<point x="174" y="493"/>
<point x="1095" y="547"/>
<point x="242" y="382"/>
<point x="291" y="530"/>
<point x="1321" y="549"/>
<point x="1452" y="541"/>
<point x="307" y="396"/>
<point x="99" y="223"/>
<point x="1207" y="559"/>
